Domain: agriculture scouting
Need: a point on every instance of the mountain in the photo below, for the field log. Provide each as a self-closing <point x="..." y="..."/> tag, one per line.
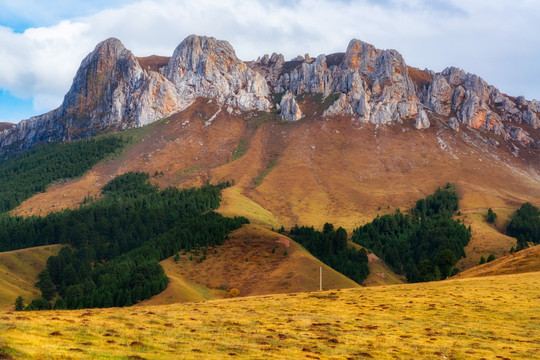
<point x="5" y="125"/>
<point x="115" y="90"/>
<point x="374" y="134"/>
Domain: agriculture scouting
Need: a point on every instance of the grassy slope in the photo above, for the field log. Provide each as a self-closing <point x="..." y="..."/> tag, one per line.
<point x="486" y="238"/>
<point x="19" y="270"/>
<point x="460" y="319"/>
<point x="379" y="272"/>
<point x="246" y="262"/>
<point x="527" y="260"/>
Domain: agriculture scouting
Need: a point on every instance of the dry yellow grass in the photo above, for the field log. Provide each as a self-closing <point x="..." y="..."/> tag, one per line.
<point x="235" y="203"/>
<point x="527" y="260"/>
<point x="491" y="317"/>
<point x="486" y="238"/>
<point x="19" y="270"/>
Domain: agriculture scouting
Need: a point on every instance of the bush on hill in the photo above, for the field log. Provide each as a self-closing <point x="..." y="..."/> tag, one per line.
<point x="525" y="225"/>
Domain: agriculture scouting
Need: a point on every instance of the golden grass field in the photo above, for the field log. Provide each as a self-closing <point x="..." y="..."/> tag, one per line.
<point x="486" y="238"/>
<point x="477" y="318"/>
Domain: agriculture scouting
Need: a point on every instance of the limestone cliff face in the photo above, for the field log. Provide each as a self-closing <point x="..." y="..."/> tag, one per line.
<point x="374" y="83"/>
<point x="375" y="87"/>
<point x="112" y="90"/>
<point x="479" y="105"/>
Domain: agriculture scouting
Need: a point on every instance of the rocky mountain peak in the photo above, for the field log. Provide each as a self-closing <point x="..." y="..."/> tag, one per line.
<point x="112" y="90"/>
<point x="205" y="67"/>
<point x="100" y="79"/>
<point x="360" y="55"/>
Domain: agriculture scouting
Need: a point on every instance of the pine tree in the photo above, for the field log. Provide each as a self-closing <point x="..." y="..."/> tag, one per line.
<point x="19" y="303"/>
<point x="491" y="216"/>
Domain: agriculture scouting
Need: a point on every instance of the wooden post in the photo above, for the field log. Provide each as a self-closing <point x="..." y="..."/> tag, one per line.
<point x="320" y="279"/>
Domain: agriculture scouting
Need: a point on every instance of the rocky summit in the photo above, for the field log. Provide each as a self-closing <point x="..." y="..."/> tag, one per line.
<point x="112" y="90"/>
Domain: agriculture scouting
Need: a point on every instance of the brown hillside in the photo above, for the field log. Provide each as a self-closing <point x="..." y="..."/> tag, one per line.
<point x="154" y="62"/>
<point x="316" y="170"/>
<point x="255" y="261"/>
<point x="527" y="260"/>
<point x="5" y="125"/>
<point x="19" y="270"/>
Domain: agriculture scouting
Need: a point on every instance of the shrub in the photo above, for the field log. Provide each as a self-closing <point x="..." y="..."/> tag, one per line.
<point x="234" y="292"/>
<point x="19" y="304"/>
<point x="491" y="216"/>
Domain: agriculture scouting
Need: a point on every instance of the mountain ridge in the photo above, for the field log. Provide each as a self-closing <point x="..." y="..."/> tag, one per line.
<point x="115" y="90"/>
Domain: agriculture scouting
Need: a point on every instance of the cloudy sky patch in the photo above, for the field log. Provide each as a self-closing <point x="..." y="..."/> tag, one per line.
<point x="42" y="43"/>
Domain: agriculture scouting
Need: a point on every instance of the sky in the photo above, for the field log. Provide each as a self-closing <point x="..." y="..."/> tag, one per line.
<point x="42" y="43"/>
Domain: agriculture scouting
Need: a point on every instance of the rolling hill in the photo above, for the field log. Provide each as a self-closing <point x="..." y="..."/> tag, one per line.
<point x="526" y="260"/>
<point x="255" y="261"/>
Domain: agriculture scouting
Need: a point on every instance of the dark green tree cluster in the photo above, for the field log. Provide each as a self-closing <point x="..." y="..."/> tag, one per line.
<point x="330" y="246"/>
<point x="525" y="225"/>
<point x="25" y="175"/>
<point x="119" y="240"/>
<point x="491" y="216"/>
<point x="424" y="244"/>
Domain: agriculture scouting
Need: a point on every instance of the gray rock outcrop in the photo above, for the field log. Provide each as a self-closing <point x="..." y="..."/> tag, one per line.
<point x="480" y="106"/>
<point x="373" y="83"/>
<point x="290" y="110"/>
<point x="421" y="121"/>
<point x="206" y="67"/>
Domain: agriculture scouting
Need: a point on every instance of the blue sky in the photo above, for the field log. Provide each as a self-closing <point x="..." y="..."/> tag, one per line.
<point x="43" y="42"/>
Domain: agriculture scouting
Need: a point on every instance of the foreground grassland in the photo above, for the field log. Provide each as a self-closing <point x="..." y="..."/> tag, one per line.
<point x="490" y="317"/>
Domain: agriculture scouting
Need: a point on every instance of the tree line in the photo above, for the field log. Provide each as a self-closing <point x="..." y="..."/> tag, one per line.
<point x="330" y="246"/>
<point x="525" y="226"/>
<point x="24" y="175"/>
<point x="423" y="244"/>
<point x="116" y="242"/>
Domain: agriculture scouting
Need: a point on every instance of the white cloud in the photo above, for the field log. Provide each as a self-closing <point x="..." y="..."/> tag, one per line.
<point x="495" y="39"/>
